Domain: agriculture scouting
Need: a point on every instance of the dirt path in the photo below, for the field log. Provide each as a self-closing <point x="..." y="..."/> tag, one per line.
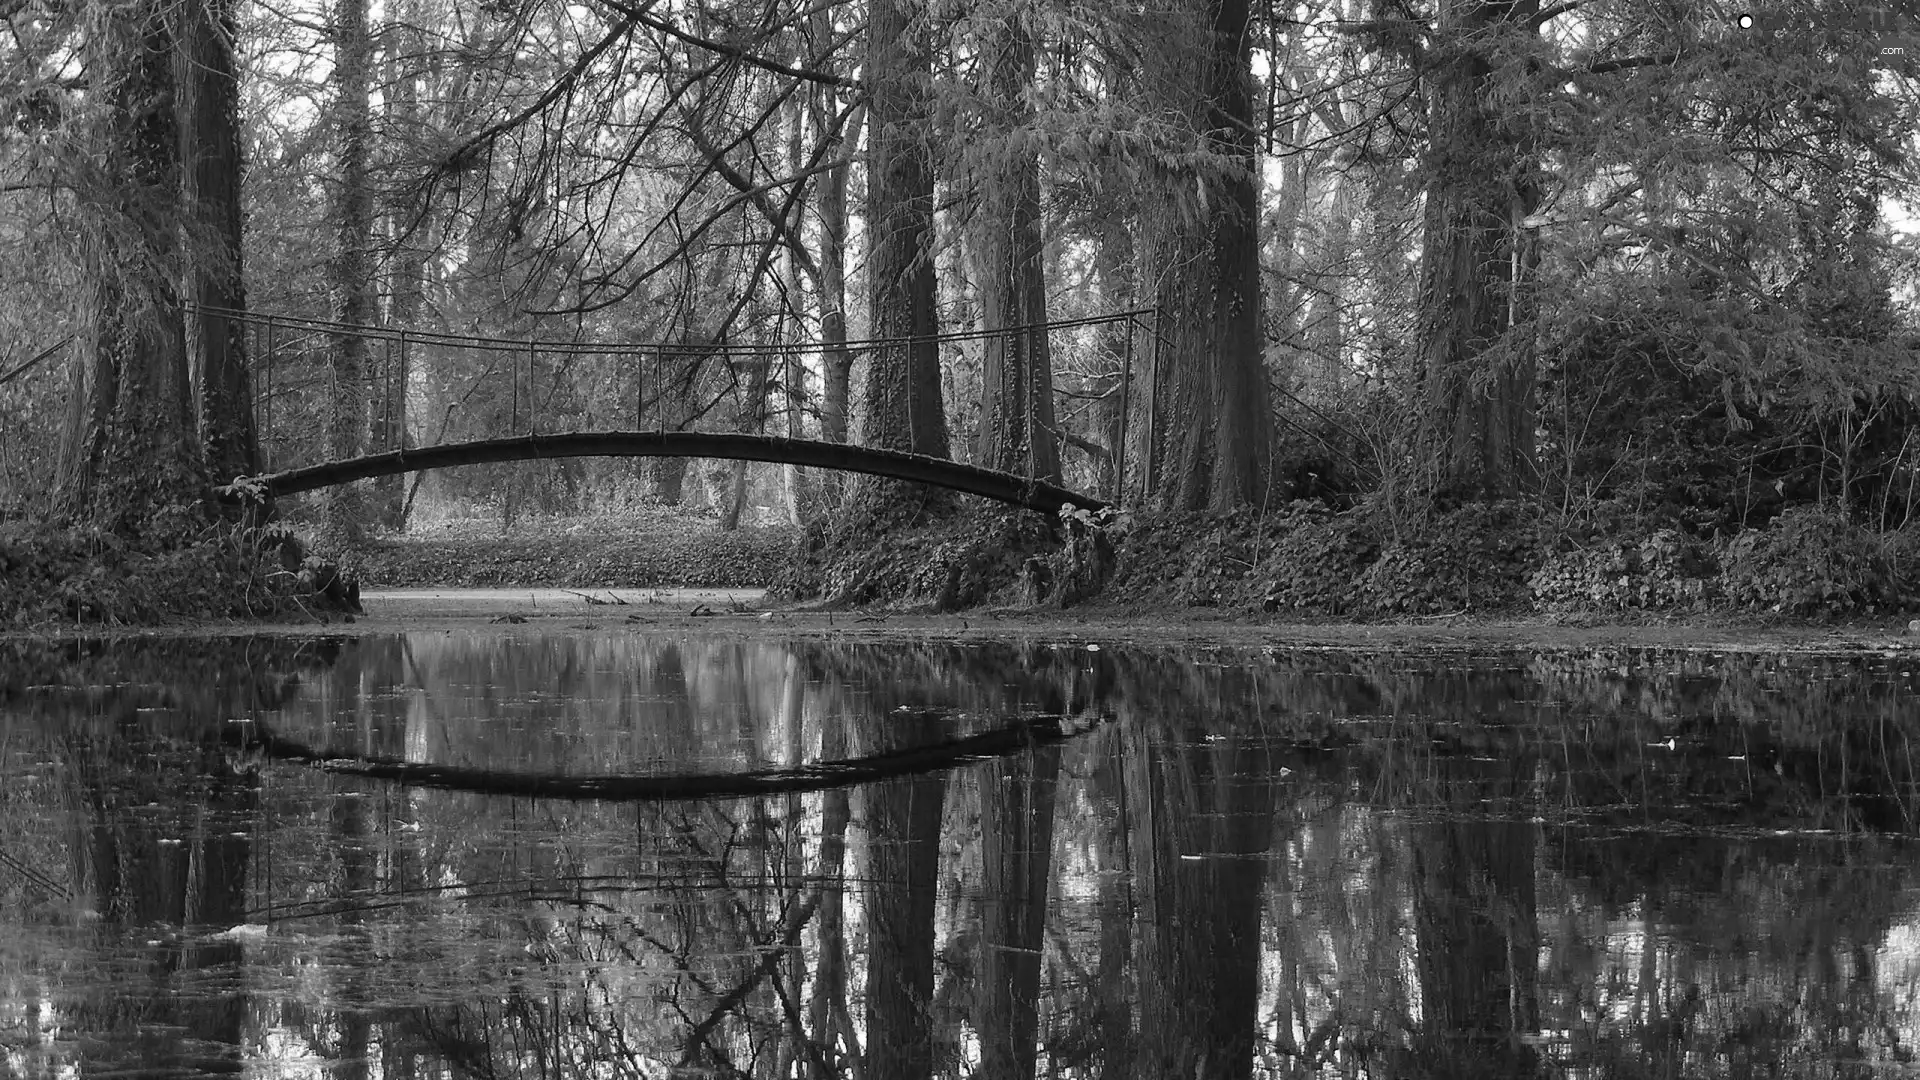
<point x="746" y="613"/>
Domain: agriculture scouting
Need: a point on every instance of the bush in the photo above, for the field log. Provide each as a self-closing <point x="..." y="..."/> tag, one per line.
<point x="84" y="576"/>
<point x="1811" y="561"/>
<point x="931" y="555"/>
<point x="1316" y="559"/>
<point x="1476" y="557"/>
<point x="1661" y="570"/>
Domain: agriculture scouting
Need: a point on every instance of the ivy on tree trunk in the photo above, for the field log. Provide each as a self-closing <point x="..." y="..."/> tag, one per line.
<point x="352" y="269"/>
<point x="211" y="155"/>
<point x="131" y="459"/>
<point x="903" y="407"/>
<point x="1016" y="379"/>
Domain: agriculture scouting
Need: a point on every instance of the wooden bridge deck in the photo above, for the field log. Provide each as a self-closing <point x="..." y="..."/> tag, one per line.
<point x="987" y="483"/>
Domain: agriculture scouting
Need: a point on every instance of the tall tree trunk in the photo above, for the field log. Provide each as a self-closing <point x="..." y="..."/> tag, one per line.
<point x="796" y="485"/>
<point x="752" y="419"/>
<point x="212" y="159"/>
<point x="837" y="361"/>
<point x="1477" y="388"/>
<point x="903" y="409"/>
<point x="130" y="459"/>
<point x="409" y="226"/>
<point x="1016" y="381"/>
<point x="1207" y="413"/>
<point x="1324" y="332"/>
<point x="1123" y="349"/>
<point x="352" y="269"/>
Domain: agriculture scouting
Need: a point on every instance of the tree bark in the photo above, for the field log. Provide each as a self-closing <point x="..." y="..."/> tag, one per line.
<point x="410" y="228"/>
<point x="1206" y="424"/>
<point x="836" y="361"/>
<point x="1476" y="377"/>
<point x="352" y="269"/>
<point x="1016" y="381"/>
<point x="130" y="459"/>
<point x="212" y="158"/>
<point x="902" y="402"/>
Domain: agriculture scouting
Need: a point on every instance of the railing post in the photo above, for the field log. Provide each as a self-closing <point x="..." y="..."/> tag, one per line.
<point x="266" y="444"/>
<point x="400" y="440"/>
<point x="1126" y="400"/>
<point x="1153" y="409"/>
<point x="533" y="390"/>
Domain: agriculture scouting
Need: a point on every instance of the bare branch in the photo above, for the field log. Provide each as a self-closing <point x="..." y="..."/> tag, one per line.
<point x="640" y="16"/>
<point x="41" y="355"/>
<point x="560" y="86"/>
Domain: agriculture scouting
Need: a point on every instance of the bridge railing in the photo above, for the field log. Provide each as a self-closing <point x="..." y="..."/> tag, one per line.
<point x="428" y="387"/>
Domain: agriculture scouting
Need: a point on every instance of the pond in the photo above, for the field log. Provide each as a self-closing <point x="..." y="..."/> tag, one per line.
<point x="524" y="854"/>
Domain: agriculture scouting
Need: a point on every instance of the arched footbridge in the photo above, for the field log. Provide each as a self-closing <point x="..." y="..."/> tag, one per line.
<point x="939" y="472"/>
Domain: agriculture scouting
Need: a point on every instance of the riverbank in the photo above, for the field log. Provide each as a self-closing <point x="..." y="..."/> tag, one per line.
<point x="1303" y="565"/>
<point x="748" y="613"/>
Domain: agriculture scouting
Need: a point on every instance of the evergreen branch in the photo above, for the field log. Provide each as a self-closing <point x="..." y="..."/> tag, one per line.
<point x="1602" y="67"/>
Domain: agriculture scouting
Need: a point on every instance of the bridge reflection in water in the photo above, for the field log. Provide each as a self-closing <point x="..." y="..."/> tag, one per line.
<point x="1612" y="863"/>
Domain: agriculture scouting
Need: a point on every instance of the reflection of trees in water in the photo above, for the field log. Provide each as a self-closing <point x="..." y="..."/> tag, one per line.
<point x="155" y="818"/>
<point x="1743" y="946"/>
<point x="1307" y="864"/>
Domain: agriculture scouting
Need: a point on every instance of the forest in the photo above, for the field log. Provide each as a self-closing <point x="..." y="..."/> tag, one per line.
<point x="1355" y="307"/>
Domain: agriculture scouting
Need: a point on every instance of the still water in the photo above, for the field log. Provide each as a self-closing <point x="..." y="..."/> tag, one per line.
<point x="542" y="855"/>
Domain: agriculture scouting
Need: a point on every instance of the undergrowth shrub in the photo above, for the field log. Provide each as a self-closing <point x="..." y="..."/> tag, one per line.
<point x="1811" y="560"/>
<point x="1663" y="570"/>
<point x="1476" y="557"/>
<point x="90" y="577"/>
<point x="1316" y="557"/>
<point x="916" y="556"/>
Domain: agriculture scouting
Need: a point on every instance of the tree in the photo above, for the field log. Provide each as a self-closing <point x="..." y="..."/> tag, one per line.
<point x="1476" y="361"/>
<point x="211" y="155"/>
<point x="1017" y="425"/>
<point x="903" y="406"/>
<point x="131" y="461"/>
<point x="352" y="270"/>
<point x="1204" y="420"/>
